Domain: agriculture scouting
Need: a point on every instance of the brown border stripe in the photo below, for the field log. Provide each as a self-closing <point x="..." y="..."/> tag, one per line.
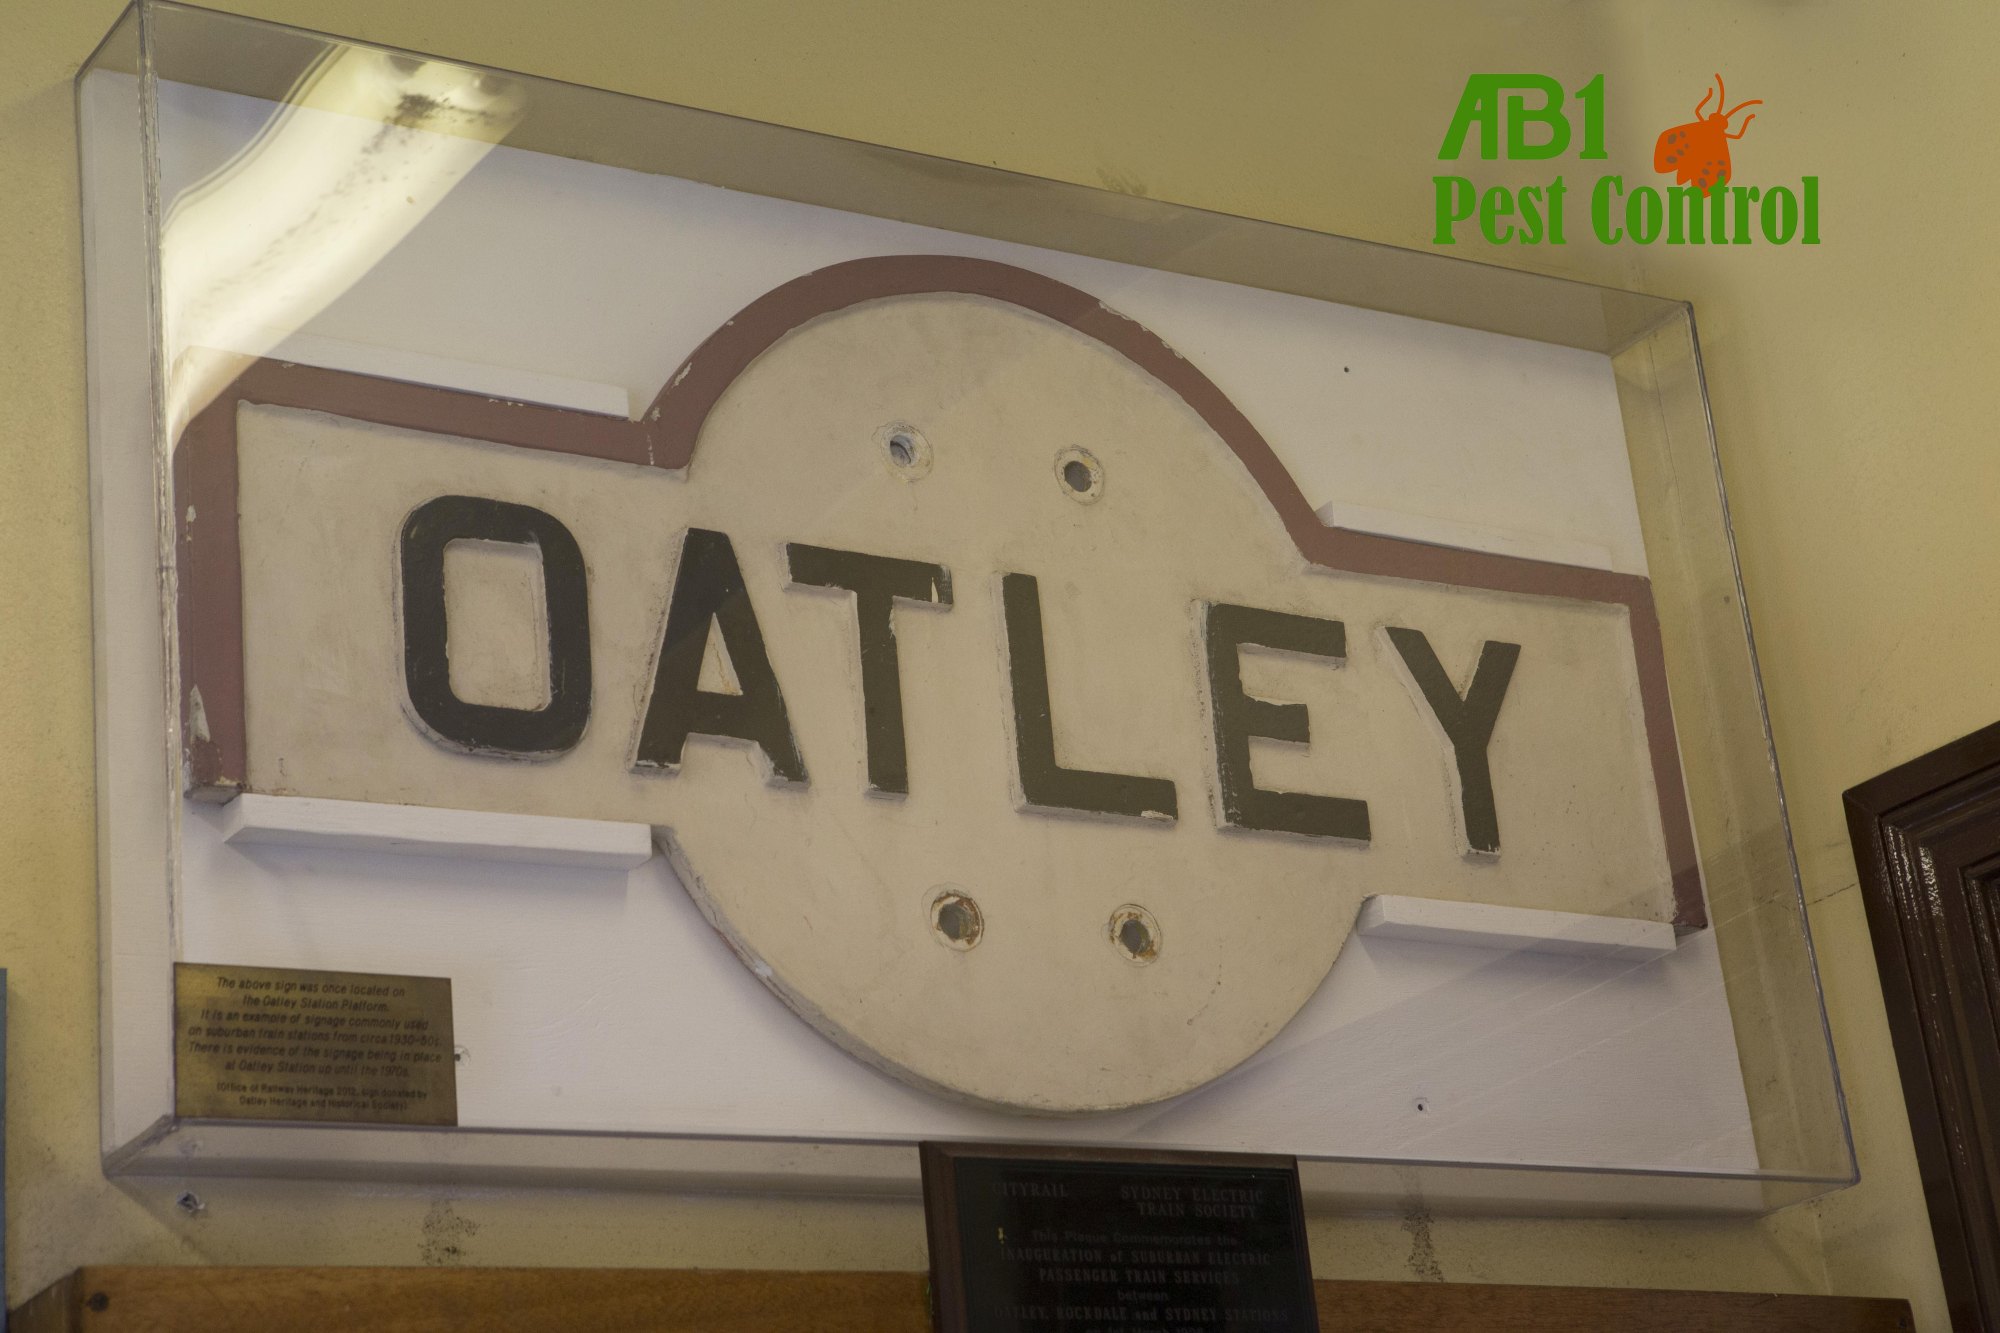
<point x="211" y="591"/>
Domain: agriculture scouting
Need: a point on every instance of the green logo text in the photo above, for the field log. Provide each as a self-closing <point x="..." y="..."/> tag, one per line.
<point x="1527" y="118"/>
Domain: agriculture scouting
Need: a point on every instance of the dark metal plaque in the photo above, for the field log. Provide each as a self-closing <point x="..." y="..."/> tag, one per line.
<point x="1038" y="1239"/>
<point x="284" y="1043"/>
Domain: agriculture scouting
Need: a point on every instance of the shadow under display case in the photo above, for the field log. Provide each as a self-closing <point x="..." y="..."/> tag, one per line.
<point x="824" y="647"/>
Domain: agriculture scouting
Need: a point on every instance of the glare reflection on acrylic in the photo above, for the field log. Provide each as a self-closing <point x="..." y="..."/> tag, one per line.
<point x="1027" y="662"/>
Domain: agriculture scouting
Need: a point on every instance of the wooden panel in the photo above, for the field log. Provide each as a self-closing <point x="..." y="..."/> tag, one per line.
<point x="1451" y="1307"/>
<point x="539" y="1300"/>
<point x="1926" y="841"/>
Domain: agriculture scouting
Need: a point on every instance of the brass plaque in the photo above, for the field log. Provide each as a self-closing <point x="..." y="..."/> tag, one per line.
<point x="285" y="1043"/>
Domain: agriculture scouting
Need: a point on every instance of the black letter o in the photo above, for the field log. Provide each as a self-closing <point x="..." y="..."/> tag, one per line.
<point x="487" y="728"/>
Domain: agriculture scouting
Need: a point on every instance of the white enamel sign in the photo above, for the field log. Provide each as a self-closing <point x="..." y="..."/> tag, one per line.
<point x="991" y="687"/>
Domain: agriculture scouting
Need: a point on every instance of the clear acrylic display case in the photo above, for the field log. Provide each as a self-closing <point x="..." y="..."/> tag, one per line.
<point x="255" y="194"/>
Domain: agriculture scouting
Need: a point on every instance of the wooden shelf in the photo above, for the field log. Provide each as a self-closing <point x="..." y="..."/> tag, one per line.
<point x="572" y="1300"/>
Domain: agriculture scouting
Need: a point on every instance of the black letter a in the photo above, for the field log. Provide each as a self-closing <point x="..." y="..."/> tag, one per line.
<point x="709" y="592"/>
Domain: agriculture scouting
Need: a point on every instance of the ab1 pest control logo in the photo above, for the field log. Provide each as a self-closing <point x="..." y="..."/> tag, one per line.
<point x="1704" y="206"/>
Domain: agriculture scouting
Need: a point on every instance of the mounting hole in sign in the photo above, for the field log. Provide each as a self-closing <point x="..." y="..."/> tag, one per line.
<point x="1080" y="475"/>
<point x="956" y="919"/>
<point x="1135" y="934"/>
<point x="905" y="450"/>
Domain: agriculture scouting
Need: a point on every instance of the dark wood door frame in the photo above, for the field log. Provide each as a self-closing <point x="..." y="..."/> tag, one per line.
<point x="1927" y="843"/>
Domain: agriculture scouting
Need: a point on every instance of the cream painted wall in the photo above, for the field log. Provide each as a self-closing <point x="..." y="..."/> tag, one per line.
<point x="1852" y="391"/>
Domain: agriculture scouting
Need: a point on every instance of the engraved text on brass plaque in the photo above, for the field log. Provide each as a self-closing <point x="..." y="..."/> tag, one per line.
<point x="271" y="1043"/>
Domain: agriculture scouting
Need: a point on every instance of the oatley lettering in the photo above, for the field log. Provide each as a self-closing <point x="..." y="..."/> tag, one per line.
<point x="710" y="596"/>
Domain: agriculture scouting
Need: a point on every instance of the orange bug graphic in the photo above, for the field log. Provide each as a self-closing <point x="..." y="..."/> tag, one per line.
<point x="1699" y="152"/>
